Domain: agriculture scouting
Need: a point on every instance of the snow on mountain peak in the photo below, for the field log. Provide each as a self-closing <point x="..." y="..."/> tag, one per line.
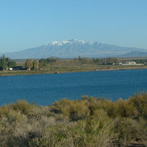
<point x="72" y="41"/>
<point x="58" y="43"/>
<point x="65" y="42"/>
<point x="77" y="41"/>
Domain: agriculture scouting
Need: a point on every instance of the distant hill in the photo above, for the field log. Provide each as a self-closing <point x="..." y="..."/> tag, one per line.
<point x="74" y="48"/>
<point x="135" y="54"/>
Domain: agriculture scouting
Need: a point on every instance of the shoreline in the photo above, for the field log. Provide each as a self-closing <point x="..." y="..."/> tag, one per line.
<point x="31" y="72"/>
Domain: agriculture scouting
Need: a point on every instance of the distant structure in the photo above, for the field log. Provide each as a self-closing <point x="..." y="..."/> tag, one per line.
<point x="130" y="63"/>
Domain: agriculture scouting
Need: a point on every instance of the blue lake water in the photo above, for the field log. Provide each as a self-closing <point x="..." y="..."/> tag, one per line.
<point x="47" y="88"/>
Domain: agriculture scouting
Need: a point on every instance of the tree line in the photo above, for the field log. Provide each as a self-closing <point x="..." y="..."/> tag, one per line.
<point x="6" y="63"/>
<point x="32" y="64"/>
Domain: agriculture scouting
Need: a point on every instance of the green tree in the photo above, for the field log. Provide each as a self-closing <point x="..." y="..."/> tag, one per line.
<point x="11" y="63"/>
<point x="4" y="62"/>
<point x="42" y="62"/>
<point x="1" y="67"/>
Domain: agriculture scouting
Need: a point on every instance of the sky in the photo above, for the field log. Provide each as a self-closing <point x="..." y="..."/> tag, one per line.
<point x="30" y="23"/>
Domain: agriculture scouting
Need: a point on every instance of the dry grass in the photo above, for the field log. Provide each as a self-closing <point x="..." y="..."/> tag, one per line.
<point x="88" y="122"/>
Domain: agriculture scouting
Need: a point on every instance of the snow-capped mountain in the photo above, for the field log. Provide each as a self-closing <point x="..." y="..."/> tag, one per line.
<point x="73" y="41"/>
<point x="73" y="48"/>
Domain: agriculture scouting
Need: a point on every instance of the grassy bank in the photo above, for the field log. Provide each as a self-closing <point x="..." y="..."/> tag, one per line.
<point x="56" y="68"/>
<point x="89" y="122"/>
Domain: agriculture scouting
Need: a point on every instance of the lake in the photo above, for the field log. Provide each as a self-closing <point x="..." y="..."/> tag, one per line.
<point x="46" y="88"/>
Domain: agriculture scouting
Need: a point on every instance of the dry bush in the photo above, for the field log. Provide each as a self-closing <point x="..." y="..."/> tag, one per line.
<point x="88" y="122"/>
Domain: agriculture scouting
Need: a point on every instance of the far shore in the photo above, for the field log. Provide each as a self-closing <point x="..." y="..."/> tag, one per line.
<point x="35" y="72"/>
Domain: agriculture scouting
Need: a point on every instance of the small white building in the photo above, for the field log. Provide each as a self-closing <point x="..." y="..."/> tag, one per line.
<point x="131" y="63"/>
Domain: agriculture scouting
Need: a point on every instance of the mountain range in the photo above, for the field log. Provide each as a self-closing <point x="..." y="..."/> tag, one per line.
<point x="74" y="48"/>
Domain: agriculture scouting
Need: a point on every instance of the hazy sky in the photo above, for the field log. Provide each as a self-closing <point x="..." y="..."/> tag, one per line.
<point x="30" y="23"/>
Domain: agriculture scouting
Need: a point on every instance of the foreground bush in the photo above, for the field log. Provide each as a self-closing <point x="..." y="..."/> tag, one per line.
<point x="89" y="122"/>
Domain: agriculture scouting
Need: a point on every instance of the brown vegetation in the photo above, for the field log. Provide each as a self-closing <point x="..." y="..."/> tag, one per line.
<point x="88" y="122"/>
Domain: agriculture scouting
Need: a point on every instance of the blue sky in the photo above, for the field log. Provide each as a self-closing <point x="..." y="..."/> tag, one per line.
<point x="30" y="23"/>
